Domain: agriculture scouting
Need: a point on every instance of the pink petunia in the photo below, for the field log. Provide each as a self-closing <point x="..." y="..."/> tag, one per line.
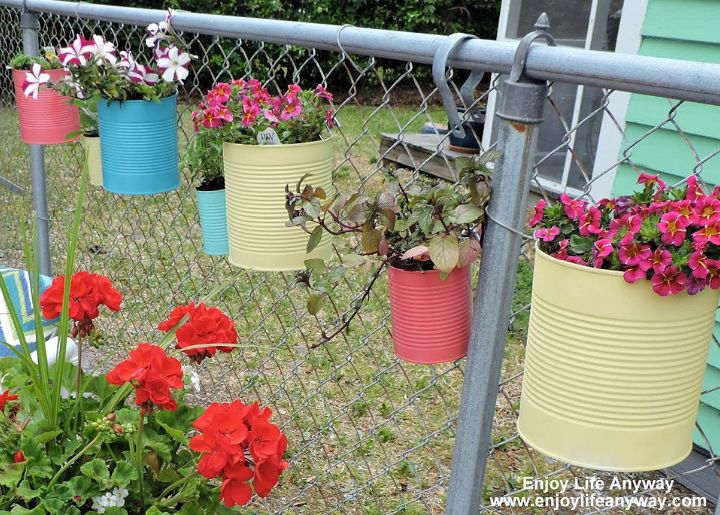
<point x="713" y="277"/>
<point x="573" y="208"/>
<point x="670" y="281"/>
<point x="291" y="110"/>
<point x="547" y="234"/>
<point x="647" y="180"/>
<point x="673" y="226"/>
<point x="323" y="93"/>
<point x="633" y="254"/>
<point x="634" y="274"/>
<point x="539" y="213"/>
<point x="709" y="233"/>
<point x="77" y="53"/>
<point x="698" y="264"/>
<point x="590" y="221"/>
<point x="705" y="209"/>
<point x="33" y="80"/>
<point x="658" y="261"/>
<point x="601" y="249"/>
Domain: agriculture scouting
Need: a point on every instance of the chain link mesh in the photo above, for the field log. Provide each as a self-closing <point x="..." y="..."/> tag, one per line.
<point x="368" y="433"/>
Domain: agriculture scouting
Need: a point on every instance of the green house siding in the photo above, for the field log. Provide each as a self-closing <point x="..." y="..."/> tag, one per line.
<point x="687" y="30"/>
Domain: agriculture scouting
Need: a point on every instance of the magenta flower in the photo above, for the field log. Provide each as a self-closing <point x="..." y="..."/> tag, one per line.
<point x="573" y="208"/>
<point x="631" y="223"/>
<point x="220" y="94"/>
<point x="670" y="281"/>
<point x="672" y="227"/>
<point x="633" y="253"/>
<point x="562" y="252"/>
<point x="33" y="80"/>
<point x="695" y="285"/>
<point x="291" y="110"/>
<point x="694" y="190"/>
<point x="713" y="278"/>
<point x="698" y="264"/>
<point x="576" y="259"/>
<point x="78" y="53"/>
<point x="539" y="212"/>
<point x="658" y="261"/>
<point x="634" y="274"/>
<point x="704" y="210"/>
<point x="709" y="233"/>
<point x="590" y="221"/>
<point x="329" y="119"/>
<point x="648" y="180"/>
<point x="683" y="207"/>
<point x="292" y="91"/>
<point x="601" y="249"/>
<point x="547" y="234"/>
<point x="323" y="93"/>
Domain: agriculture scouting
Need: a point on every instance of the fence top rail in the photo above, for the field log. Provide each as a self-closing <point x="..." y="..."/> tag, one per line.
<point x="682" y="80"/>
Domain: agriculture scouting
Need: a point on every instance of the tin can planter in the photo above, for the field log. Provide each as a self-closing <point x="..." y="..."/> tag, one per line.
<point x="48" y="119"/>
<point x="213" y="221"/>
<point x="91" y="147"/>
<point x="431" y="318"/>
<point x="139" y="144"/>
<point x="613" y="371"/>
<point x="255" y="180"/>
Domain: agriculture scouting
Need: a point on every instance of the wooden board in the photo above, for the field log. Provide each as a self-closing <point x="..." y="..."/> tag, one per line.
<point x="420" y="152"/>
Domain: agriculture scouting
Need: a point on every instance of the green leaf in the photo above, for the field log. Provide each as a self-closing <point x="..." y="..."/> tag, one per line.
<point x="81" y="487"/>
<point x="176" y="422"/>
<point x="444" y="252"/>
<point x="466" y="213"/>
<point x="315" y="238"/>
<point x="425" y="219"/>
<point x="11" y="473"/>
<point x="359" y="212"/>
<point x="314" y="304"/>
<point x="123" y="474"/>
<point x="469" y="252"/>
<point x="25" y="491"/>
<point x="580" y="245"/>
<point x="353" y="260"/>
<point x="370" y="240"/>
<point x="38" y="464"/>
<point x="19" y="510"/>
<point x="97" y="470"/>
<point x="315" y="265"/>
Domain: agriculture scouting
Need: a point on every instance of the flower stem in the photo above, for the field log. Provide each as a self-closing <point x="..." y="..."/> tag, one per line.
<point x="139" y="453"/>
<point x="177" y="483"/>
<point x="73" y="460"/>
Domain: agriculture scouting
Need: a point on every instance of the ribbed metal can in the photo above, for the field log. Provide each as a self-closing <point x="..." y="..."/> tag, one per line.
<point x="91" y="147"/>
<point x="255" y="180"/>
<point x="139" y="142"/>
<point x="613" y="371"/>
<point x="213" y="221"/>
<point x="48" y="119"/>
<point x="431" y="317"/>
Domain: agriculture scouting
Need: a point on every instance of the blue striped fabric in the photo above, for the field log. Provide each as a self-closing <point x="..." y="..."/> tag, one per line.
<point x="18" y="284"/>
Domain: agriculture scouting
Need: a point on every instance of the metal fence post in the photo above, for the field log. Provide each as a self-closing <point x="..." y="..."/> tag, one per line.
<point x="520" y="114"/>
<point x="30" y="25"/>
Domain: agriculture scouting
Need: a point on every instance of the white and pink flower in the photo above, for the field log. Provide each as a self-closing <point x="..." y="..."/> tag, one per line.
<point x="33" y="80"/>
<point x="174" y="65"/>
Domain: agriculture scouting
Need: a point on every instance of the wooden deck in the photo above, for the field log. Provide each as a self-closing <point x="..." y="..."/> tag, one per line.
<point x="419" y="152"/>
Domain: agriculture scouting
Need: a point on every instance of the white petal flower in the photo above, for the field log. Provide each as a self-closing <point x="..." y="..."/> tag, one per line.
<point x="33" y="80"/>
<point x="104" y="50"/>
<point x="174" y="65"/>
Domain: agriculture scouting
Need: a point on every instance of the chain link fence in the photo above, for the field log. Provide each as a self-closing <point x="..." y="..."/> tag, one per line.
<point x="368" y="433"/>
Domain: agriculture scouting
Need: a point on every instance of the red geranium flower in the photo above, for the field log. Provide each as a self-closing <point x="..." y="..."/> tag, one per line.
<point x="88" y="292"/>
<point x="19" y="457"/>
<point x="205" y="326"/>
<point x="152" y="373"/>
<point x="6" y="397"/>
<point x="239" y="443"/>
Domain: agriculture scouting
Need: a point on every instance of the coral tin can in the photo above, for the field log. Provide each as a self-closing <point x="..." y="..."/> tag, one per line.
<point x="431" y="318"/>
<point x="48" y="119"/>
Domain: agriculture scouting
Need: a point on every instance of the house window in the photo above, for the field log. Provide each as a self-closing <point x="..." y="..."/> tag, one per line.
<point x="588" y="24"/>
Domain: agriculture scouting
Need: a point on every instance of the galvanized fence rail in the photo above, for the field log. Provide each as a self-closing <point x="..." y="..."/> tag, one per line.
<point x="368" y="433"/>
